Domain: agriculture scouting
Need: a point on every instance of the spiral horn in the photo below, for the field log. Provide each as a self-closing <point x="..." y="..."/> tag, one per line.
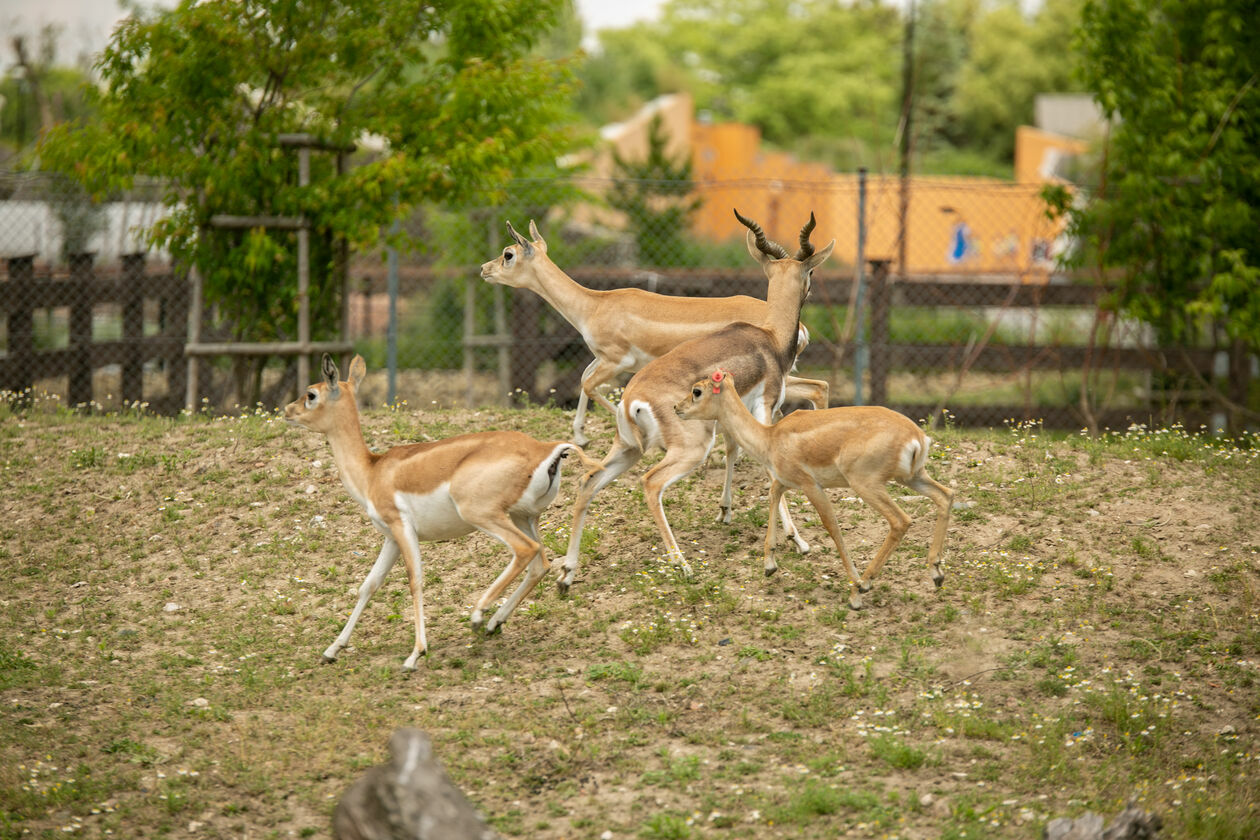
<point x="766" y="246"/>
<point x="806" y="250"/>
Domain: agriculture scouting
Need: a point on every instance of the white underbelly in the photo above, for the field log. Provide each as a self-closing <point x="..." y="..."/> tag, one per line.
<point x="434" y="516"/>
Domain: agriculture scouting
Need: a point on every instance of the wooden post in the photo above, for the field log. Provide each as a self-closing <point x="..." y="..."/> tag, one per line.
<point x="132" y="294"/>
<point x="21" y="326"/>
<point x="524" y="328"/>
<point x="880" y="311"/>
<point x="505" y="350"/>
<point x="174" y="321"/>
<point x="470" y="330"/>
<point x="192" y="386"/>
<point x="1239" y="389"/>
<point x="80" y="378"/>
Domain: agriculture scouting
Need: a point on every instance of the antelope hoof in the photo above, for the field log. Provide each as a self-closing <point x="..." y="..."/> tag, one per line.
<point x="326" y="659"/>
<point x="410" y="664"/>
<point x="855" y="604"/>
<point x="330" y="655"/>
<point x="562" y="587"/>
<point x="864" y="587"/>
<point x="724" y="516"/>
<point x="802" y="547"/>
<point x="938" y="578"/>
<point x="770" y="570"/>
<point x="493" y="629"/>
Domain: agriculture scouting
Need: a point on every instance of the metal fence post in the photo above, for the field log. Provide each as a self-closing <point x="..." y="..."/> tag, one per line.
<point x="860" y="349"/>
<point x="304" y="276"/>
<point x="880" y="311"/>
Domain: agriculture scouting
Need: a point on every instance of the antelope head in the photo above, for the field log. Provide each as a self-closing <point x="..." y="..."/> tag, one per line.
<point x="512" y="267"/>
<point x="318" y="408"/>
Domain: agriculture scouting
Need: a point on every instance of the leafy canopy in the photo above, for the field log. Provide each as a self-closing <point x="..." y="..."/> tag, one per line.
<point x="195" y="97"/>
<point x="653" y="193"/>
<point x="824" y="79"/>
<point x="1180" y="206"/>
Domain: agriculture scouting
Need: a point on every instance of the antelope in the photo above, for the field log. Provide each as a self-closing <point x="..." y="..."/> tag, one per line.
<point x="861" y="447"/>
<point x="762" y="352"/>
<point x="494" y="482"/>
<point x="627" y="328"/>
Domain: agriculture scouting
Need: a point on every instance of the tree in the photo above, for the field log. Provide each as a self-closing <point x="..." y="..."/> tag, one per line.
<point x="653" y="193"/>
<point x="36" y="92"/>
<point x="196" y="97"/>
<point x="1011" y="58"/>
<point x="802" y="70"/>
<point x="823" y="79"/>
<point x="1177" y="211"/>
<point x="632" y="66"/>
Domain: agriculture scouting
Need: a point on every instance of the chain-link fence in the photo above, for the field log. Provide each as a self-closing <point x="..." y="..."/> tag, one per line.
<point x="979" y="326"/>
<point x="90" y="315"/>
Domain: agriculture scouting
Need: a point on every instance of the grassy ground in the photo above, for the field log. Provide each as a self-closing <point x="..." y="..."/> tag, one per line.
<point x="172" y="582"/>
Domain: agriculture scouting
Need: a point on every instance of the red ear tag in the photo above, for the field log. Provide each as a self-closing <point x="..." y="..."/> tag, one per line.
<point x="717" y="390"/>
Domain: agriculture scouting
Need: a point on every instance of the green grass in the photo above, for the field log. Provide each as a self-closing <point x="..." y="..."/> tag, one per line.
<point x="172" y="583"/>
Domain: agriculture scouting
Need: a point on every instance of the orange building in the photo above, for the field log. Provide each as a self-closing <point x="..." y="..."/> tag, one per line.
<point x="954" y="225"/>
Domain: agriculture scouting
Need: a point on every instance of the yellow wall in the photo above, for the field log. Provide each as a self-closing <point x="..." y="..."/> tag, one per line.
<point x="1036" y="152"/>
<point x="1005" y="227"/>
<point x="1006" y="230"/>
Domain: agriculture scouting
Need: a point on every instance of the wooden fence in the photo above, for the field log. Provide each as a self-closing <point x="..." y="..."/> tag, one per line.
<point x="80" y="294"/>
<point x="534" y="335"/>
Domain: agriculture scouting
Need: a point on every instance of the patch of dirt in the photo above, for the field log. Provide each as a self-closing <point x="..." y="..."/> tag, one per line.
<point x="224" y="575"/>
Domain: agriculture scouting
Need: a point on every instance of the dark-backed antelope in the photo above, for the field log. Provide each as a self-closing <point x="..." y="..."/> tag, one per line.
<point x="860" y="447"/>
<point x="763" y="353"/>
<point x="627" y="328"/>
<point x="494" y="482"/>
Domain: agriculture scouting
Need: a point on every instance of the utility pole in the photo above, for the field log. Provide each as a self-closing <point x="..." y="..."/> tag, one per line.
<point x="905" y="147"/>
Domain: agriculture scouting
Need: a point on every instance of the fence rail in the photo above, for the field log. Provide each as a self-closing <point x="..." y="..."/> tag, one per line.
<point x="155" y="340"/>
<point x="984" y="327"/>
<point x="531" y="349"/>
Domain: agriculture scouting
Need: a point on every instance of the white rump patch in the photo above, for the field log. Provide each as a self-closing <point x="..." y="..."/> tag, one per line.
<point x="909" y="455"/>
<point x="640" y="413"/>
<point x="542" y="488"/>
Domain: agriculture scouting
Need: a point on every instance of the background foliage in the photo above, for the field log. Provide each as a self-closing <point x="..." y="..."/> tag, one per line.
<point x="447" y="97"/>
<point x="824" y="79"/>
<point x="1178" y="206"/>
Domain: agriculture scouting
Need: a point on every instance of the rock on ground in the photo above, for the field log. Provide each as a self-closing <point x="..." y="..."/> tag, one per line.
<point x="409" y="798"/>
<point x="1132" y="824"/>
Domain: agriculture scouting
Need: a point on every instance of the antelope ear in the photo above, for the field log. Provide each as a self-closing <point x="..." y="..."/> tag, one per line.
<point x="525" y="244"/>
<point x="750" y="240"/>
<point x="332" y="378"/>
<point x="820" y="257"/>
<point x="358" y="369"/>
<point x="537" y="237"/>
